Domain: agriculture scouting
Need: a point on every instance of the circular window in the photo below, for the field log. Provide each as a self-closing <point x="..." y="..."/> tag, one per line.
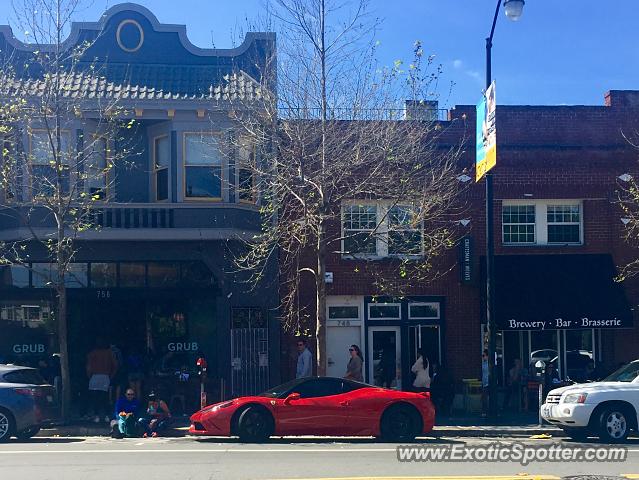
<point x="130" y="36"/>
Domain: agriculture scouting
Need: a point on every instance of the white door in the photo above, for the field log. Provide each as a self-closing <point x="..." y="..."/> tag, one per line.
<point x="385" y="357"/>
<point x="338" y="340"/>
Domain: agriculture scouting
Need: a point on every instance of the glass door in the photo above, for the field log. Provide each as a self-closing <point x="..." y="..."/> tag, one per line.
<point x="384" y="357"/>
<point x="427" y="339"/>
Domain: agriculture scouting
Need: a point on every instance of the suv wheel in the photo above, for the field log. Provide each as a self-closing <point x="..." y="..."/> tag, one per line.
<point x="6" y="425"/>
<point x="613" y="425"/>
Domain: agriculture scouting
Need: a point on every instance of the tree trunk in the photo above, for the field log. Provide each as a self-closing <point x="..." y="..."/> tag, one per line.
<point x="63" y="340"/>
<point x="320" y="326"/>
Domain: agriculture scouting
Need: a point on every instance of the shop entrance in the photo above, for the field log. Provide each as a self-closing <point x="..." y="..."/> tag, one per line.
<point x="384" y="357"/>
<point x="426" y="338"/>
<point x="571" y="351"/>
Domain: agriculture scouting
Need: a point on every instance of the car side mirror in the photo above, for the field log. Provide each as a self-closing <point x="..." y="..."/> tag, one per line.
<point x="291" y="398"/>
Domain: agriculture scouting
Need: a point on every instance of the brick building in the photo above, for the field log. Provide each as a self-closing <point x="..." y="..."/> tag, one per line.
<point x="558" y="243"/>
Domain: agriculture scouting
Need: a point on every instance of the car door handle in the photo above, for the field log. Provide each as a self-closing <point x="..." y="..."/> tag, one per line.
<point x="345" y="403"/>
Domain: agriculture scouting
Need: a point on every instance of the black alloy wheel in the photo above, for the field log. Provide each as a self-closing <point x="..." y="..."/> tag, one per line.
<point x="399" y="423"/>
<point x="255" y="425"/>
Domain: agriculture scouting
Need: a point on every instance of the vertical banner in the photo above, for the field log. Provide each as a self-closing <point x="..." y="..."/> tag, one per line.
<point x="466" y="259"/>
<point x="486" y="134"/>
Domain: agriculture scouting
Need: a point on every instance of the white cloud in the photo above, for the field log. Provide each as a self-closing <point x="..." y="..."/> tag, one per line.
<point x="457" y="63"/>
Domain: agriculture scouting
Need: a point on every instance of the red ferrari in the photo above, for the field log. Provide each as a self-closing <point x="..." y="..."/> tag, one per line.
<point x="319" y="406"/>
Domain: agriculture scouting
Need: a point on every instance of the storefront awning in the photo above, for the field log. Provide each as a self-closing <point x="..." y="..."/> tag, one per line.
<point x="548" y="292"/>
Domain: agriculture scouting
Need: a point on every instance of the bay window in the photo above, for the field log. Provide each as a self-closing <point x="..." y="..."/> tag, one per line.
<point x="96" y="169"/>
<point x="246" y="188"/>
<point x="42" y="147"/>
<point x="161" y="162"/>
<point x="202" y="167"/>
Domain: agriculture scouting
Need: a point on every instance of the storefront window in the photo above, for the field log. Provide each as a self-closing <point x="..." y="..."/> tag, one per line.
<point x="383" y="311"/>
<point x="28" y="332"/>
<point x="132" y="274"/>
<point x="163" y="274"/>
<point x="579" y="355"/>
<point x="76" y="275"/>
<point x="417" y="311"/>
<point x="543" y="350"/>
<point x="196" y="274"/>
<point x="14" y="276"/>
<point x="44" y="275"/>
<point x="343" y="313"/>
<point x="103" y="275"/>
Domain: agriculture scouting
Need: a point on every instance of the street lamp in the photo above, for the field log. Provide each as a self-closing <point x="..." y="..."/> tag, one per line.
<point x="513" y="9"/>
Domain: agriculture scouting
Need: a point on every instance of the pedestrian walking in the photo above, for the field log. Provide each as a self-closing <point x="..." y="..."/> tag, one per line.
<point x="101" y="367"/>
<point x="355" y="363"/>
<point x="304" y="360"/>
<point x="422" y="374"/>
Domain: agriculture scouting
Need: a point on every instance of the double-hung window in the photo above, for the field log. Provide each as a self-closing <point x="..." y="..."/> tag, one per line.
<point x="404" y="231"/>
<point x="44" y="172"/>
<point x="96" y="169"/>
<point x="246" y="188"/>
<point x="518" y="222"/>
<point x="359" y="228"/>
<point x="542" y="222"/>
<point x="564" y="223"/>
<point x="202" y="167"/>
<point x="161" y="162"/>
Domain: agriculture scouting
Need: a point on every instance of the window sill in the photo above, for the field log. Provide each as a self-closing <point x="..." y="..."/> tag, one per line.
<point x="542" y="245"/>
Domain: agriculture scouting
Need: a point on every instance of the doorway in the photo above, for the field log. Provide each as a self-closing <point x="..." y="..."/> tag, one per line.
<point x="384" y="357"/>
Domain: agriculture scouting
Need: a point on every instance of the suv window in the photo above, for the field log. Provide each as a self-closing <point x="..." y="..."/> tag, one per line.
<point x="28" y="376"/>
<point x="320" y="387"/>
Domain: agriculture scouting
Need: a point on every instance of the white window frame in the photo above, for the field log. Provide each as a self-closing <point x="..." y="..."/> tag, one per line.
<point x="435" y="305"/>
<point x="223" y="165"/>
<point x="541" y="221"/>
<point x="579" y="224"/>
<point x="154" y="148"/>
<point x="376" y="304"/>
<point x="375" y="231"/>
<point x="380" y="232"/>
<point x="66" y="160"/>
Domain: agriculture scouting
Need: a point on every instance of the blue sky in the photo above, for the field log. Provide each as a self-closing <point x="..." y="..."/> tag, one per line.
<point x="560" y="52"/>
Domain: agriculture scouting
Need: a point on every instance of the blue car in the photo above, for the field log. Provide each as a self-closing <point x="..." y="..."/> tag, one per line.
<point x="27" y="402"/>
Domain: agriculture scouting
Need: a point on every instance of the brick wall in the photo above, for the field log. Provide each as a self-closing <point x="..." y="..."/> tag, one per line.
<point x="553" y="152"/>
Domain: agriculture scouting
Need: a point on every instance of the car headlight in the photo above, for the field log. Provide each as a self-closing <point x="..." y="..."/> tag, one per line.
<point x="220" y="406"/>
<point x="575" y="398"/>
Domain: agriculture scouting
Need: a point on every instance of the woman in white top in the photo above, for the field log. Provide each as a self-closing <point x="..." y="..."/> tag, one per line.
<point x="421" y="370"/>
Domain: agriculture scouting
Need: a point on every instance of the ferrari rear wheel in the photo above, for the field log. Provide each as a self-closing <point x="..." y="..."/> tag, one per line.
<point x="255" y="424"/>
<point x="399" y="423"/>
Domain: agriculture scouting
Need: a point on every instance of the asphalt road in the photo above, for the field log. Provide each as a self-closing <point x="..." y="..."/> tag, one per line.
<point x="194" y="458"/>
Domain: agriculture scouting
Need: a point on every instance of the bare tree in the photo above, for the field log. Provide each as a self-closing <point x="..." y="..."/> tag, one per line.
<point x="338" y="165"/>
<point x="51" y="180"/>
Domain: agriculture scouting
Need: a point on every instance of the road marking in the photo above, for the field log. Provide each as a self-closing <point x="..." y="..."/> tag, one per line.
<point x="207" y="450"/>
<point x="521" y="476"/>
<point x="630" y="475"/>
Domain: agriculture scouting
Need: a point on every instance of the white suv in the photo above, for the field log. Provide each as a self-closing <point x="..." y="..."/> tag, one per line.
<point x="607" y="409"/>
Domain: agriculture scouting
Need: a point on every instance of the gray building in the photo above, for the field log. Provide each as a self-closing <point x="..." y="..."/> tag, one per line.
<point x="155" y="276"/>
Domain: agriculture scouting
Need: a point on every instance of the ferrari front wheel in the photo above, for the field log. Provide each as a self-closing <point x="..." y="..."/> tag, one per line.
<point x="399" y="423"/>
<point x="255" y="424"/>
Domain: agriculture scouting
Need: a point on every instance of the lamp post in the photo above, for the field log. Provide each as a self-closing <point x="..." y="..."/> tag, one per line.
<point x="513" y="10"/>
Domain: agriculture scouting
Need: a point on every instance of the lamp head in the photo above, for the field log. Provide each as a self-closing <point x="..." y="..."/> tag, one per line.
<point x="514" y="9"/>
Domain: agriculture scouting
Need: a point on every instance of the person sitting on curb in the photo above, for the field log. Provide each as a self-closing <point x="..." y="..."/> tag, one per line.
<point x="157" y="416"/>
<point x="126" y="410"/>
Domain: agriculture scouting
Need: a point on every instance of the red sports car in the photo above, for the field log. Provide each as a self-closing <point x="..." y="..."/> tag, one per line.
<point x="319" y="406"/>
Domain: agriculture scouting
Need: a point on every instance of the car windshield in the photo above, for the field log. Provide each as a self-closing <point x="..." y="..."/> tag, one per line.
<point x="281" y="390"/>
<point x="26" y="376"/>
<point x="627" y="373"/>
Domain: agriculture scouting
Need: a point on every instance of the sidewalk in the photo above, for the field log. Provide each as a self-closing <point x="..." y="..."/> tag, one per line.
<point x="506" y="425"/>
